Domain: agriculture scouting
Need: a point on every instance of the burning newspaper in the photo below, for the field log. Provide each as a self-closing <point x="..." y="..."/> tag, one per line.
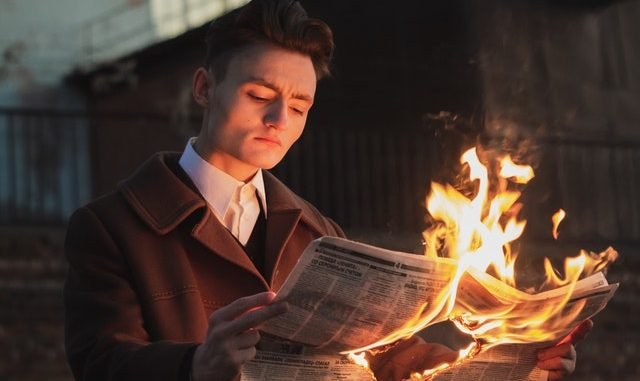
<point x="344" y="296"/>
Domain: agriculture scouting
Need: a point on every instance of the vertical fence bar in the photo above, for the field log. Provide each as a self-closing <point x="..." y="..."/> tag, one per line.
<point x="365" y="172"/>
<point x="74" y="169"/>
<point x="4" y="169"/>
<point x="309" y="165"/>
<point x="407" y="181"/>
<point x="323" y="171"/>
<point x="20" y="172"/>
<point x="351" y="178"/>
<point x="377" y="190"/>
<point x="337" y="169"/>
<point x="12" y="167"/>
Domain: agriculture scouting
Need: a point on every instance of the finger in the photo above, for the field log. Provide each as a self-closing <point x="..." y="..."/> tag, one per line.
<point x="400" y="364"/>
<point x="240" y="356"/>
<point x="400" y="374"/>
<point x="246" y="339"/>
<point x="379" y="361"/>
<point x="384" y="373"/>
<point x="555" y="375"/>
<point x="562" y="350"/>
<point x="579" y="333"/>
<point x="557" y="364"/>
<point x="254" y="318"/>
<point x="240" y="306"/>
<point x="410" y="357"/>
<point x="390" y="372"/>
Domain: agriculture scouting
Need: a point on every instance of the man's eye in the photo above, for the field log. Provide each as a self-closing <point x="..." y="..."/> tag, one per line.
<point x="297" y="111"/>
<point x="257" y="98"/>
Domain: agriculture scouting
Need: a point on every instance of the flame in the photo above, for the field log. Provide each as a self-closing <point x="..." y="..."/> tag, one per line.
<point x="359" y="359"/>
<point x="520" y="173"/>
<point x="478" y="233"/>
<point x="464" y="354"/>
<point x="556" y="219"/>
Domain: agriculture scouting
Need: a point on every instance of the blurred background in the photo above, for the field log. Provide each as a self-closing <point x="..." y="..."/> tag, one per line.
<point x="90" y="88"/>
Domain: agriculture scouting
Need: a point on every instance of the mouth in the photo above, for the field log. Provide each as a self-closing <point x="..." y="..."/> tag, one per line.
<point x="270" y="140"/>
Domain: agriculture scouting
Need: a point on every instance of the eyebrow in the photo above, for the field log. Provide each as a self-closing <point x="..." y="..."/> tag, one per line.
<point x="274" y="87"/>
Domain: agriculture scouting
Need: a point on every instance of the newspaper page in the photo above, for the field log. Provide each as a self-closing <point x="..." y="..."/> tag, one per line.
<point x="344" y="295"/>
<point x="285" y="361"/>
<point x="480" y="293"/>
<point x="509" y="362"/>
<point x="517" y="361"/>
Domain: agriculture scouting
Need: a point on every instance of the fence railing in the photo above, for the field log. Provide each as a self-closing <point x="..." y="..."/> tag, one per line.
<point x="44" y="165"/>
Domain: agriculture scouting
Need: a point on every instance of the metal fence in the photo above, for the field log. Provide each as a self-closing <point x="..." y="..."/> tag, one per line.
<point x="44" y="165"/>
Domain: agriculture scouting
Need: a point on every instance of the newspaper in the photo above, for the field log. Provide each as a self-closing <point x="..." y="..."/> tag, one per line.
<point x="509" y="362"/>
<point x="286" y="361"/>
<point x="588" y="297"/>
<point x="344" y="295"/>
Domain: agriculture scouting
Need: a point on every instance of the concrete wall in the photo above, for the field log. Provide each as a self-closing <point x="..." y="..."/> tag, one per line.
<point x="42" y="41"/>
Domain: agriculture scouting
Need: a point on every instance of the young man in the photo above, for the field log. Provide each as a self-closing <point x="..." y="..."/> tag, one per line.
<point x="171" y="275"/>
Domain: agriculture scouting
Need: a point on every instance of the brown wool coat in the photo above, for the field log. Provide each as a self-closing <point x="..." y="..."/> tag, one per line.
<point x="150" y="262"/>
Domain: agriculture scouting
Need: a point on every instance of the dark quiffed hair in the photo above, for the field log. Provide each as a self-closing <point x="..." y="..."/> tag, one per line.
<point x="281" y="22"/>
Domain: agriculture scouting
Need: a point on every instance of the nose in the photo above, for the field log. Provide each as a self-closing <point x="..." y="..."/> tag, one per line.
<point x="277" y="115"/>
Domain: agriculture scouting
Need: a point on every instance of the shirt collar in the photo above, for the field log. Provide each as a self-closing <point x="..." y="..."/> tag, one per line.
<point x="216" y="186"/>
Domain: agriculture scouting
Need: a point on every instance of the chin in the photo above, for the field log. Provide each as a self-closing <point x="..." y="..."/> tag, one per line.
<point x="266" y="160"/>
<point x="267" y="165"/>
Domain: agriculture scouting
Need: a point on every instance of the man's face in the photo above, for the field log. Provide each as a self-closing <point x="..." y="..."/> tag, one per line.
<point x="258" y="110"/>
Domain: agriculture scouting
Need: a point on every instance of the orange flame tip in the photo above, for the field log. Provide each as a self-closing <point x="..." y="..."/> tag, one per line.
<point x="556" y="219"/>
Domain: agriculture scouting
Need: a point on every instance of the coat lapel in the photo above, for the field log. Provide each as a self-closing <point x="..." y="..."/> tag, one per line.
<point x="171" y="200"/>
<point x="284" y="213"/>
<point x="280" y="227"/>
<point x="163" y="196"/>
<point x="210" y="233"/>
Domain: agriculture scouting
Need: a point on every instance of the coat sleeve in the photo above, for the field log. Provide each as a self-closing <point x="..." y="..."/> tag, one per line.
<point x="337" y="230"/>
<point x="105" y="337"/>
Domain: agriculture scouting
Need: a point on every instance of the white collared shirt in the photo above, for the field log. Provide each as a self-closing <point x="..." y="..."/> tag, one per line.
<point x="233" y="202"/>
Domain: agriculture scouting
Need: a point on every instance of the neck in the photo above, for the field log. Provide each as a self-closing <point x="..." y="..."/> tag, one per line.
<point x="230" y="165"/>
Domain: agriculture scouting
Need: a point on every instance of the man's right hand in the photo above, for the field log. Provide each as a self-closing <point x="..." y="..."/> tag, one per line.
<point x="232" y="336"/>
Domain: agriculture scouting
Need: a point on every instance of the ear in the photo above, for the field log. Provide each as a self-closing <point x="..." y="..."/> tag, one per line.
<point x="201" y="87"/>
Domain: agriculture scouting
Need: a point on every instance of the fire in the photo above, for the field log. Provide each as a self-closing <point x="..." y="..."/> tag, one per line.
<point x="556" y="219"/>
<point x="520" y="173"/>
<point x="478" y="232"/>
<point x="359" y="359"/>
<point x="468" y="352"/>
